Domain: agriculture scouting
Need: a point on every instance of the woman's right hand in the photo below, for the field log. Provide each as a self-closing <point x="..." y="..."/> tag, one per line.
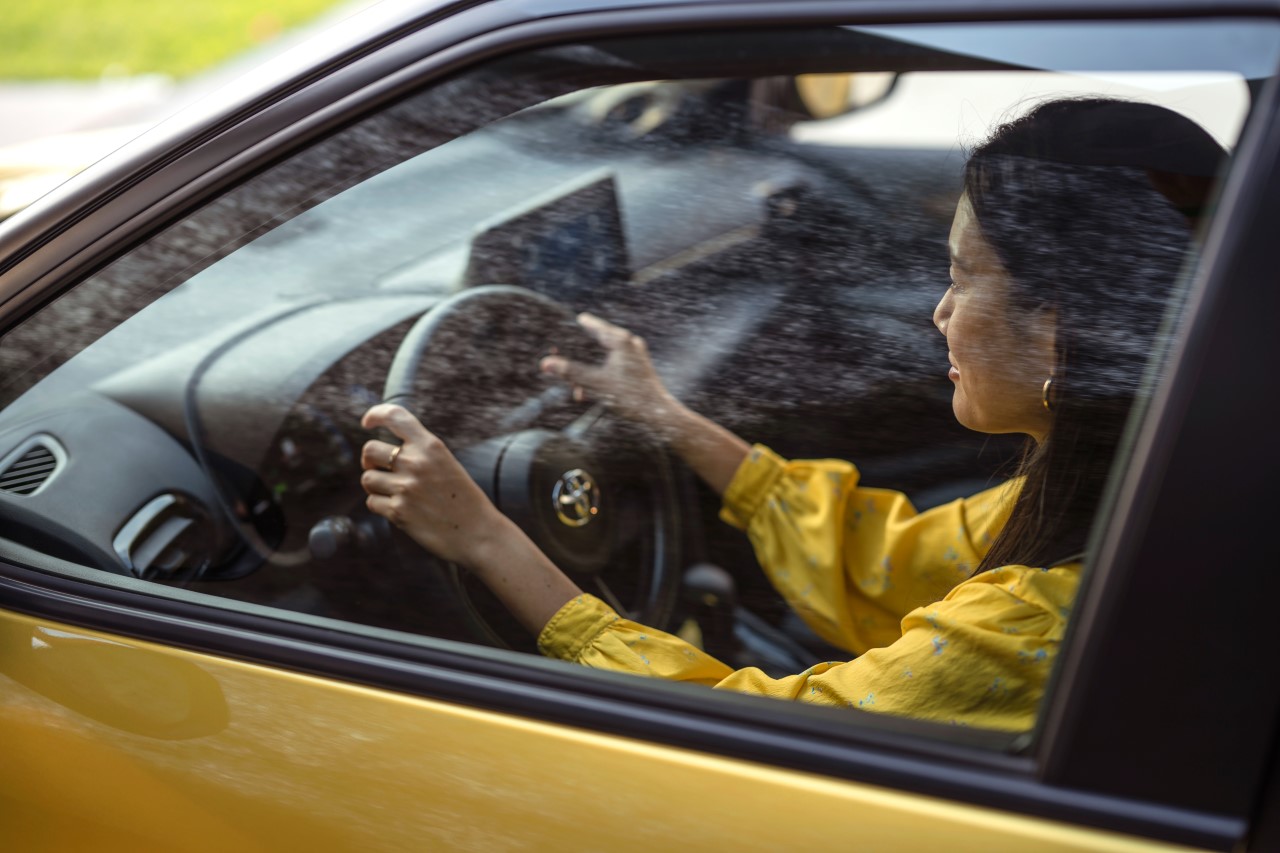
<point x="420" y="487"/>
<point x="626" y="381"/>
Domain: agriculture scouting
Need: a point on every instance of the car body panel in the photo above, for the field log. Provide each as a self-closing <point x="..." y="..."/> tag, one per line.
<point x="113" y="742"/>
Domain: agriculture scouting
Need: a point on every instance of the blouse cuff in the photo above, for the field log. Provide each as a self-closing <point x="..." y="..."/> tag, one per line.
<point x="575" y="626"/>
<point x="751" y="485"/>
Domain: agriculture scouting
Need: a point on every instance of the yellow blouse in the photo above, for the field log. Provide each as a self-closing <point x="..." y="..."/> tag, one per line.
<point x="871" y="575"/>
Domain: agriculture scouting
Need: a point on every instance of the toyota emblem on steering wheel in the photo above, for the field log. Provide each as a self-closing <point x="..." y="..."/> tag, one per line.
<point x="576" y="497"/>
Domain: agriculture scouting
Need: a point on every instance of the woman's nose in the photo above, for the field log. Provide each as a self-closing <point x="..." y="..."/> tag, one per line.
<point x="942" y="313"/>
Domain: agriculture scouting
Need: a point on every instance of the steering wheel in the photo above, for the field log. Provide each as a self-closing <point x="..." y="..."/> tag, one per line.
<point x="597" y="495"/>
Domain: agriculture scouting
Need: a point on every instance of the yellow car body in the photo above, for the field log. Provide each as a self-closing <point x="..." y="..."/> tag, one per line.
<point x="117" y="744"/>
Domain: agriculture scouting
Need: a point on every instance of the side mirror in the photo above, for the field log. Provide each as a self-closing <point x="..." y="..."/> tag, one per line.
<point x="823" y="96"/>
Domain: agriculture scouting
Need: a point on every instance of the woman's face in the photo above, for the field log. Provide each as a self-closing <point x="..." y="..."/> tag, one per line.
<point x="999" y="361"/>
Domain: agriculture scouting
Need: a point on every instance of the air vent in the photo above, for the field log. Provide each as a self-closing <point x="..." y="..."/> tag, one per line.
<point x="171" y="534"/>
<point x="29" y="471"/>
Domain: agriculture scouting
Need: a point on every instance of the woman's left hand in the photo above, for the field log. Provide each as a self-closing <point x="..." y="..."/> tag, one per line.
<point x="420" y="487"/>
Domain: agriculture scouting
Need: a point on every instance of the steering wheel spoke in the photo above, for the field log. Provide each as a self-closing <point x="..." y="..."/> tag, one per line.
<point x="587" y="421"/>
<point x="528" y="412"/>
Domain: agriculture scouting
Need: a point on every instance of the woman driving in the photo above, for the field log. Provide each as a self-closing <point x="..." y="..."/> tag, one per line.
<point x="1071" y="231"/>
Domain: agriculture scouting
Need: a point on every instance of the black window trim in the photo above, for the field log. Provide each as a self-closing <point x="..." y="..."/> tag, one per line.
<point x="1055" y="759"/>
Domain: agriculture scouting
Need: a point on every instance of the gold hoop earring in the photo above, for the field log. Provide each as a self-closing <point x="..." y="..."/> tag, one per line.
<point x="1044" y="394"/>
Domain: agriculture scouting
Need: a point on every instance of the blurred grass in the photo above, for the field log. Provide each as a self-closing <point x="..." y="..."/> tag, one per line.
<point x="79" y="39"/>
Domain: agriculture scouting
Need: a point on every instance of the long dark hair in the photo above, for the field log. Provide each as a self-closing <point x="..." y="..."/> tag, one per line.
<point x="1090" y="205"/>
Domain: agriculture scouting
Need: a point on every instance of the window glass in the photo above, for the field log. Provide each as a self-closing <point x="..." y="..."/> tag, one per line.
<point x="825" y="252"/>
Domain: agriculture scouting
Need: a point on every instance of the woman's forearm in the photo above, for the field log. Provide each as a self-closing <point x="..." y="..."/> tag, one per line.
<point x="713" y="452"/>
<point x="522" y="577"/>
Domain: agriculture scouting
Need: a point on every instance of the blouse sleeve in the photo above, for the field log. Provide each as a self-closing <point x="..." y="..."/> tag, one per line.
<point x="852" y="562"/>
<point x="981" y="656"/>
<point x="590" y="632"/>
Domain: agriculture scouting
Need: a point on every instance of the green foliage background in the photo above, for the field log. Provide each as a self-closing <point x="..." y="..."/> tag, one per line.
<point x="83" y="39"/>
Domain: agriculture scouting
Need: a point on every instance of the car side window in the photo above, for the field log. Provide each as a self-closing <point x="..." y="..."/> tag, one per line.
<point x="825" y="252"/>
